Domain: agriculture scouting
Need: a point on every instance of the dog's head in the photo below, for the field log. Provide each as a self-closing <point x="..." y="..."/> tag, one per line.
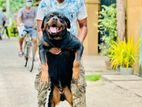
<point x="55" y="24"/>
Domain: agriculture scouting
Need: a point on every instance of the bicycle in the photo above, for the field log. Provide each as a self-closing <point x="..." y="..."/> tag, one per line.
<point x="1" y="32"/>
<point x="29" y="53"/>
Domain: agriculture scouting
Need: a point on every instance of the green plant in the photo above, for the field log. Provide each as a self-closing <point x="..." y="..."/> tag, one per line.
<point x="93" y="77"/>
<point x="107" y="27"/>
<point x="123" y="53"/>
<point x="12" y="30"/>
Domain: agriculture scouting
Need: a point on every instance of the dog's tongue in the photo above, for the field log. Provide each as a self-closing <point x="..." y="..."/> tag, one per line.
<point x="53" y="29"/>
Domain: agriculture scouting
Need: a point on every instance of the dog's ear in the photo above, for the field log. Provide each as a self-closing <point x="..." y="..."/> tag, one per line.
<point x="68" y="22"/>
<point x="43" y="26"/>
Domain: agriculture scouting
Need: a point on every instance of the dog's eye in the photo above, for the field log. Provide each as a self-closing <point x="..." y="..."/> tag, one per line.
<point x="62" y="20"/>
<point x="60" y="16"/>
<point x="51" y="15"/>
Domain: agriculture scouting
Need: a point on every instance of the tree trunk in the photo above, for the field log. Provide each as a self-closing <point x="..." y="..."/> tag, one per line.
<point x="8" y="7"/>
<point x="121" y="19"/>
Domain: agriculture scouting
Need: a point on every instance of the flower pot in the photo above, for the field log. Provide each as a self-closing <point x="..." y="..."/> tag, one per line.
<point x="108" y="64"/>
<point x="126" y="71"/>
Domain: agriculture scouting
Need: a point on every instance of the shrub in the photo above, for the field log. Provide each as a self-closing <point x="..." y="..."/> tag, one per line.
<point x="124" y="53"/>
<point x="107" y="27"/>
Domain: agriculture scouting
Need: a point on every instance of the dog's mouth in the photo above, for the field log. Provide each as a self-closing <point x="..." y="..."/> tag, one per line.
<point x="54" y="32"/>
<point x="54" y="29"/>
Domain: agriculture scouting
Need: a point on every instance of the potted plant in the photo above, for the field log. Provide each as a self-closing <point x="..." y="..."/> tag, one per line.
<point x="107" y="30"/>
<point x="123" y="55"/>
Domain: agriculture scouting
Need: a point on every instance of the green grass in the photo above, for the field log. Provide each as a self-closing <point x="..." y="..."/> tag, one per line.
<point x="93" y="77"/>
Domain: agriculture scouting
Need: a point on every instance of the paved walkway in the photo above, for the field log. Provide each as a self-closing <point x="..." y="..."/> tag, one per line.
<point x="17" y="84"/>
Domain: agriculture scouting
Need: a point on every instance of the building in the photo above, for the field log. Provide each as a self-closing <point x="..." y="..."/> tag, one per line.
<point x="91" y="42"/>
<point x="133" y="23"/>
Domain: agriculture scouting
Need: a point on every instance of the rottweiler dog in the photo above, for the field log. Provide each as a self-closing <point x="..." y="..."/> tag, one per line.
<point x="64" y="67"/>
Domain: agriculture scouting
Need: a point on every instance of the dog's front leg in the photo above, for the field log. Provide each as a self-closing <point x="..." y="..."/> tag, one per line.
<point x="76" y="63"/>
<point x="76" y="68"/>
<point x="44" y="73"/>
<point x="44" y="65"/>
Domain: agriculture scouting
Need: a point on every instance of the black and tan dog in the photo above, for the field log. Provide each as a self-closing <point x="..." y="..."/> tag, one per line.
<point x="64" y="66"/>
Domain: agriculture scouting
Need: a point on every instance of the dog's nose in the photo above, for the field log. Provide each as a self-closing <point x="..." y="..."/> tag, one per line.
<point x="54" y="18"/>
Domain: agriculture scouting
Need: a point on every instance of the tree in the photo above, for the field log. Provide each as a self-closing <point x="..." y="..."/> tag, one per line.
<point x="15" y="4"/>
<point x="121" y="19"/>
<point x="2" y="3"/>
